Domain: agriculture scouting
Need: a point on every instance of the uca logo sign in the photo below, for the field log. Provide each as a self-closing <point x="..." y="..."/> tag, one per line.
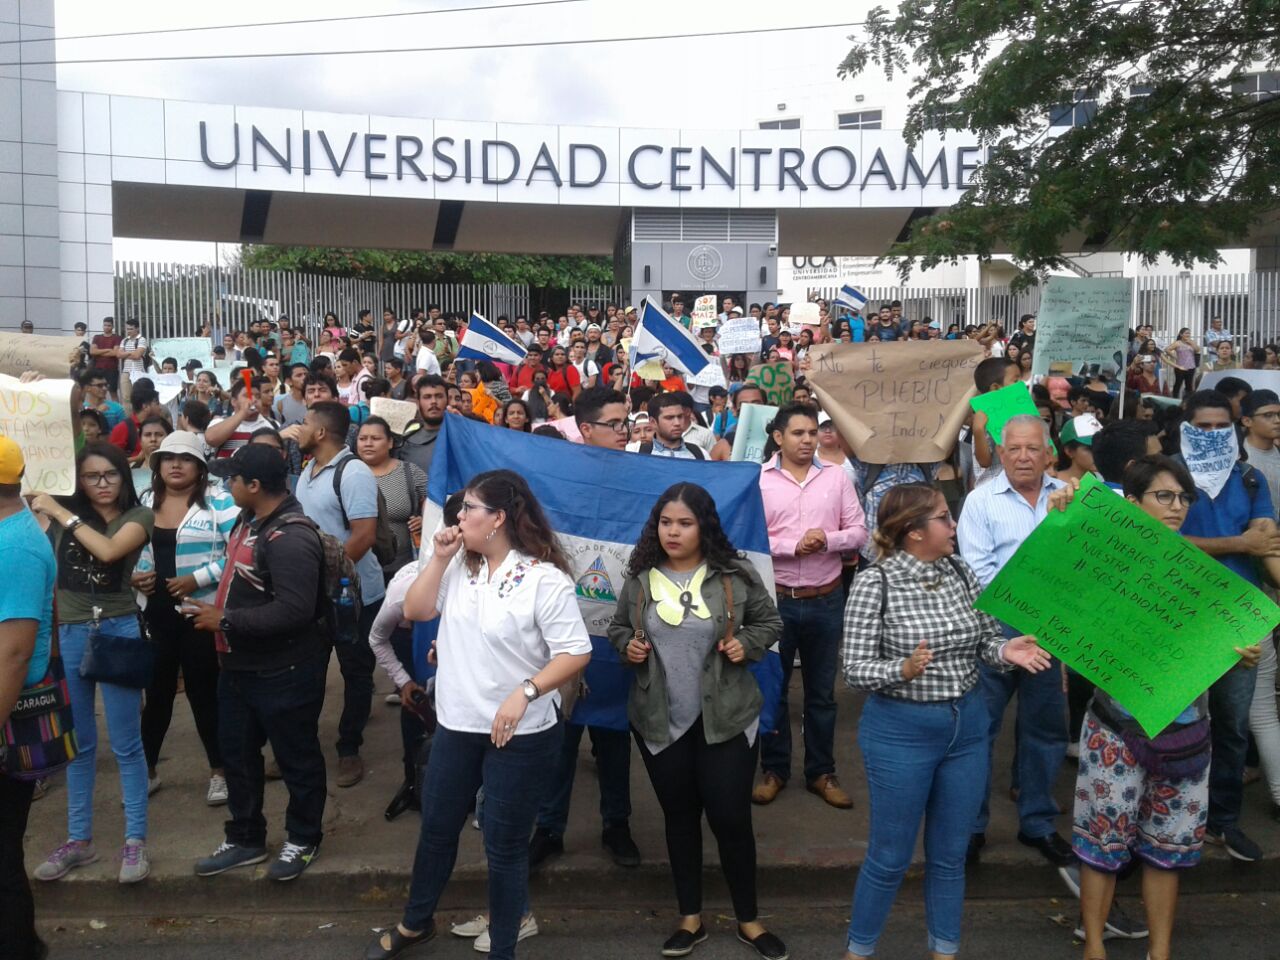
<point x="705" y="262"/>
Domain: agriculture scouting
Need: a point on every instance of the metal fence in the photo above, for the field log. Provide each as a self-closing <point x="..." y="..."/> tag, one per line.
<point x="174" y="300"/>
<point x="599" y="296"/>
<point x="1248" y="303"/>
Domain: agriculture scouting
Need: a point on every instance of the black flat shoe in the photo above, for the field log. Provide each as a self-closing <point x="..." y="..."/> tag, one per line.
<point x="406" y="798"/>
<point x="682" y="942"/>
<point x="1052" y="847"/>
<point x="399" y="943"/>
<point x="766" y="945"/>
<point x="976" y="842"/>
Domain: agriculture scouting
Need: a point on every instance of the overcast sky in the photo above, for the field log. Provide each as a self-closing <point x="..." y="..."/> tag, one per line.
<point x="708" y="82"/>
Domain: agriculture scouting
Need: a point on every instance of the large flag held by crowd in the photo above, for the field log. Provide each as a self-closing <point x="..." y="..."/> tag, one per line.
<point x="598" y="504"/>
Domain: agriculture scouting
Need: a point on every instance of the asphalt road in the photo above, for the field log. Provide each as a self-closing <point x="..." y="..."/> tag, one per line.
<point x="1235" y="927"/>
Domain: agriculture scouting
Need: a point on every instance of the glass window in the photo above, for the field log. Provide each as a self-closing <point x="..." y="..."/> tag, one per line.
<point x="860" y="120"/>
<point x="1077" y="113"/>
<point x="792" y="123"/>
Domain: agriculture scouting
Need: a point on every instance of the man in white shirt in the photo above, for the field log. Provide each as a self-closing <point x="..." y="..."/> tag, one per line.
<point x="667" y="412"/>
<point x="426" y="357"/>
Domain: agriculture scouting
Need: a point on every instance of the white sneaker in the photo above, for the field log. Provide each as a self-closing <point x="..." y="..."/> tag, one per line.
<point x="472" y="928"/>
<point x="217" y="794"/>
<point x="153" y="784"/>
<point x="528" y="928"/>
<point x="134" y="863"/>
<point x="392" y="700"/>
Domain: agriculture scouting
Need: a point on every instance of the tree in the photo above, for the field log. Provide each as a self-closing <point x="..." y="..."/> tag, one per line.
<point x="1172" y="152"/>
<point x="413" y="266"/>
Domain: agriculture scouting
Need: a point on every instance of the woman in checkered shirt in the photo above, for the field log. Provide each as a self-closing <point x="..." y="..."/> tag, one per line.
<point x="913" y="640"/>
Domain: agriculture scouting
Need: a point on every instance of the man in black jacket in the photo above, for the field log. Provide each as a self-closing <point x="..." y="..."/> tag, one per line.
<point x="272" y="656"/>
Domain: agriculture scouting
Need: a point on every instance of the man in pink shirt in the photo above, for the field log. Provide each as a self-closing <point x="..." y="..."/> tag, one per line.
<point x="813" y="516"/>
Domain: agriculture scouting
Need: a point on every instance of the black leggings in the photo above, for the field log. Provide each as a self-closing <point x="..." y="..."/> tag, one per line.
<point x="412" y="729"/>
<point x="1182" y="381"/>
<point x="691" y="776"/>
<point x="180" y="646"/>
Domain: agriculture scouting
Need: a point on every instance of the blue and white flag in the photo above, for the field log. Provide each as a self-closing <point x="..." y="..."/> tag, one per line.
<point x="484" y="341"/>
<point x="598" y="501"/>
<point x="659" y="337"/>
<point x="851" y="297"/>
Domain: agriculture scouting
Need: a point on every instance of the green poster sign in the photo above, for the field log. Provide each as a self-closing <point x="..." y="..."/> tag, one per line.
<point x="775" y="380"/>
<point x="1003" y="405"/>
<point x="751" y="433"/>
<point x="1129" y="604"/>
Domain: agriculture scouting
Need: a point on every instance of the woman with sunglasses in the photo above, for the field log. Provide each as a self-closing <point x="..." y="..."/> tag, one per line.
<point x="913" y="640"/>
<point x="1130" y="800"/>
<point x="510" y="636"/>
<point x="98" y="533"/>
<point x="184" y="559"/>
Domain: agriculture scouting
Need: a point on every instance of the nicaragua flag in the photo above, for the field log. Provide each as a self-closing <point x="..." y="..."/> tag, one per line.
<point x="484" y="341"/>
<point x="598" y="501"/>
<point x="658" y="337"/>
<point x="851" y="297"/>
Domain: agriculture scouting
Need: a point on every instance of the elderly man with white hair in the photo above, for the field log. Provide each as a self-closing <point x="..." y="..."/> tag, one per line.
<point x="998" y="516"/>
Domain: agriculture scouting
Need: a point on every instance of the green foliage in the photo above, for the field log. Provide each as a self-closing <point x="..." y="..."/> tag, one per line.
<point x="413" y="266"/>
<point x="1185" y="170"/>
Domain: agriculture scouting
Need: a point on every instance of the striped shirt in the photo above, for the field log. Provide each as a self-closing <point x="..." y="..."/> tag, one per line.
<point x="202" y="541"/>
<point x="242" y="434"/>
<point x="900" y="602"/>
<point x="995" y="521"/>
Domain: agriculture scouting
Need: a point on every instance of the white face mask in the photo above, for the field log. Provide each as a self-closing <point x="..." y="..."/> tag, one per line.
<point x="1210" y="455"/>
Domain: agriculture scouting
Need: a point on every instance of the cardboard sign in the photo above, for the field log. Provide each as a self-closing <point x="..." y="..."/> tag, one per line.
<point x="397" y="413"/>
<point x="741" y="335"/>
<point x="752" y="432"/>
<point x="775" y="379"/>
<point x="37" y="417"/>
<point x="1129" y="604"/>
<point x="704" y="308"/>
<point x="896" y="402"/>
<point x="51" y="356"/>
<point x="1083" y="320"/>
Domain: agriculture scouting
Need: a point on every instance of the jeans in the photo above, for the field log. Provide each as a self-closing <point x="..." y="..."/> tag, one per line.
<point x="613" y="763"/>
<point x="1264" y="723"/>
<point x="1041" y="741"/>
<point x="122" y="706"/>
<point x="1230" y="698"/>
<point x="356" y="661"/>
<point x="923" y="761"/>
<point x="412" y="729"/>
<point x="813" y="628"/>
<point x="515" y="779"/>
<point x="691" y="777"/>
<point x="17" y="909"/>
<point x="281" y="706"/>
<point x="191" y="651"/>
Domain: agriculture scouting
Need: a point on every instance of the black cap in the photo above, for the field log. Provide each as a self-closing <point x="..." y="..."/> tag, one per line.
<point x="1257" y="400"/>
<point x="254" y="461"/>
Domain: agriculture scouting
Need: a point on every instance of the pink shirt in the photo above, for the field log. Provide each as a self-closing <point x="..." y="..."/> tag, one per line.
<point x="825" y="501"/>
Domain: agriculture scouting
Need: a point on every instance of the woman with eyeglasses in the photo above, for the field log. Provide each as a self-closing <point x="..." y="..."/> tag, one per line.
<point x="184" y="559"/>
<point x="1134" y="798"/>
<point x="913" y="640"/>
<point x="510" y="636"/>
<point x="98" y="534"/>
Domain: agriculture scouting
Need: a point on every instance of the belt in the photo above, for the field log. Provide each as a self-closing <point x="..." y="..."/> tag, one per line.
<point x="808" y="593"/>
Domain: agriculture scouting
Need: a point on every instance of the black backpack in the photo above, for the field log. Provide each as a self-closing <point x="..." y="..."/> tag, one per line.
<point x="336" y="566"/>
<point x="384" y="540"/>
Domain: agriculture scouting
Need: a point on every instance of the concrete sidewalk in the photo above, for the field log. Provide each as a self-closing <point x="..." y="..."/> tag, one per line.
<point x="803" y="845"/>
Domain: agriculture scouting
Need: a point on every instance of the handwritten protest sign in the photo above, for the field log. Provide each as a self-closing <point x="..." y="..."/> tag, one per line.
<point x="1209" y="455"/>
<point x="51" y="356"/>
<point x="168" y="385"/>
<point x="1258" y="379"/>
<point x="1129" y="604"/>
<point x="775" y="379"/>
<point x="896" y="402"/>
<point x="751" y="433"/>
<point x="37" y="416"/>
<point x="183" y="349"/>
<point x="803" y="314"/>
<point x="712" y="375"/>
<point x="1082" y="320"/>
<point x="1003" y="405"/>
<point x="397" y="413"/>
<point x="741" y="335"/>
<point x="704" y="308"/>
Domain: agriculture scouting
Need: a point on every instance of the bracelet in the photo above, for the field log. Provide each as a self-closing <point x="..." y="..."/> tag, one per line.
<point x="73" y="521"/>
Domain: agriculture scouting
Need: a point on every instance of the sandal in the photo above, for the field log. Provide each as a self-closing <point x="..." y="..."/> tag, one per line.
<point x="397" y="943"/>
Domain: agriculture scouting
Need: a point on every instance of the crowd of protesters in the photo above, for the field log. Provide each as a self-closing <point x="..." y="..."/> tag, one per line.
<point x="264" y="521"/>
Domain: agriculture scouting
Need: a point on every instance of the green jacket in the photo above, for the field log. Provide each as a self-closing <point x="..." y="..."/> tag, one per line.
<point x="731" y="698"/>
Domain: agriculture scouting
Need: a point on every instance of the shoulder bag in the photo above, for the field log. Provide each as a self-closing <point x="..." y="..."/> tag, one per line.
<point x="40" y="737"/>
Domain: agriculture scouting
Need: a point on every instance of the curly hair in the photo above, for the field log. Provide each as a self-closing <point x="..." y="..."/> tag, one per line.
<point x="715" y="545"/>
<point x="527" y="525"/>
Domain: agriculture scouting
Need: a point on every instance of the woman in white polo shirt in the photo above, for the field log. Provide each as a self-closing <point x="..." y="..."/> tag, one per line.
<point x="510" y="635"/>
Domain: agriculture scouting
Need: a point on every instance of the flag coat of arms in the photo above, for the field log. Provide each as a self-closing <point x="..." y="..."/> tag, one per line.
<point x="484" y="341"/>
<point x="658" y="337"/>
<point x="598" y="501"/>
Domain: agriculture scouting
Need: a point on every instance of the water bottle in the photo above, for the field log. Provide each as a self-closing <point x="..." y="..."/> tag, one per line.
<point x="346" y="600"/>
<point x="347" y="615"/>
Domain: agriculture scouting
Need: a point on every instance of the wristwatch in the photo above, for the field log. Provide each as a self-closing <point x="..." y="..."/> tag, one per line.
<point x="73" y="521"/>
<point x="531" y="691"/>
<point x="224" y="626"/>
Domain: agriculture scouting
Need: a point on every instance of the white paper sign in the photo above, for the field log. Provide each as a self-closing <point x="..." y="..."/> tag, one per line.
<point x="712" y="375"/>
<point x="704" y="308"/>
<point x="397" y="413"/>
<point x="1082" y="321"/>
<point x="168" y="385"/>
<point x="37" y="417"/>
<point x="740" y="336"/>
<point x="1210" y="455"/>
<point x="1258" y="379"/>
